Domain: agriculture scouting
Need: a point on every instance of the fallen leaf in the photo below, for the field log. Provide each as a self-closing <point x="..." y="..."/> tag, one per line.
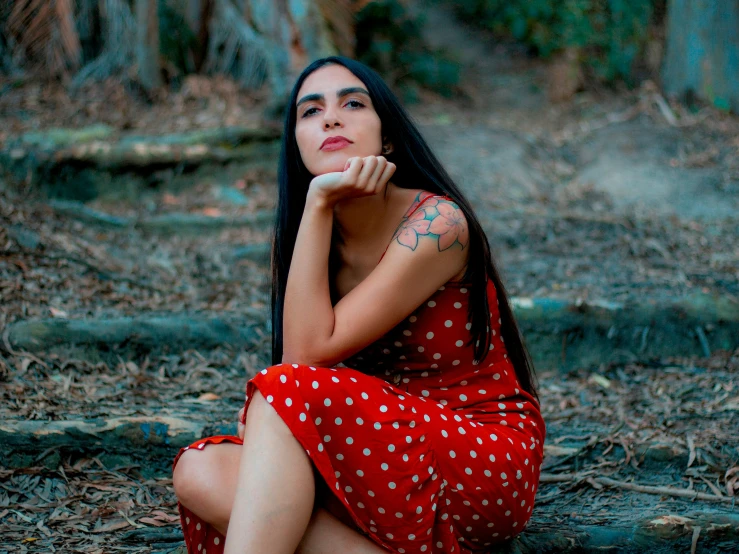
<point x="57" y="313"/>
<point x="211" y="212"/>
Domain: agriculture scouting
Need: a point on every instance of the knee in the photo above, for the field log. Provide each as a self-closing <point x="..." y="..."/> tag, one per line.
<point x="188" y="478"/>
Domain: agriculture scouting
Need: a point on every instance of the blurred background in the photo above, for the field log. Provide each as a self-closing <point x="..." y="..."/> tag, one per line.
<point x="597" y="139"/>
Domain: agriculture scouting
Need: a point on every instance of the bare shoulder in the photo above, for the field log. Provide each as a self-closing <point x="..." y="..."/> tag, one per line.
<point x="433" y="219"/>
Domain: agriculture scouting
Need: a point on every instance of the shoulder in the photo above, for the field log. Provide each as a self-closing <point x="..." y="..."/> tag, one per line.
<point x="433" y="220"/>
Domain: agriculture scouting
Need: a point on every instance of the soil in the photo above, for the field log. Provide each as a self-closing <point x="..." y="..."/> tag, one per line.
<point x="597" y="198"/>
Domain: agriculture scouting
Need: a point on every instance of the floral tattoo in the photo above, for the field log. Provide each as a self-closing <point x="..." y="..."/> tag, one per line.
<point x="437" y="218"/>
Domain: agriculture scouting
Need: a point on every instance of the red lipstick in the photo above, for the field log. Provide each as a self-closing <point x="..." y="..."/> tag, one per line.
<point x="335" y="143"/>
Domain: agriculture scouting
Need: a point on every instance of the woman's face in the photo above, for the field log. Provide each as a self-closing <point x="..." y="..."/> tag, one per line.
<point x="332" y="103"/>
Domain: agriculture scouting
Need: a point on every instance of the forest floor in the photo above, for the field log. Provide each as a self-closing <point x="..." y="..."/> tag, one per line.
<point x="614" y="195"/>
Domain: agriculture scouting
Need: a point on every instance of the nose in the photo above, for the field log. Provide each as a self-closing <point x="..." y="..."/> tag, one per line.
<point x="330" y="119"/>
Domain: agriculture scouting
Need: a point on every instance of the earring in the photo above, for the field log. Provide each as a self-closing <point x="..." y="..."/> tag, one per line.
<point x="386" y="149"/>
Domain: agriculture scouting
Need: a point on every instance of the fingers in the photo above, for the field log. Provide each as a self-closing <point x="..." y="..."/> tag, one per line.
<point x="355" y="166"/>
<point x="365" y="180"/>
<point x="387" y="172"/>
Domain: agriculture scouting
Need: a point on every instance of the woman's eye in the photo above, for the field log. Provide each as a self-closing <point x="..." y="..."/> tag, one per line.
<point x="354" y="104"/>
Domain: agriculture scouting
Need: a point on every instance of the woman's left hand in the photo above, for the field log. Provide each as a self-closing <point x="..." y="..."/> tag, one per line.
<point x="361" y="177"/>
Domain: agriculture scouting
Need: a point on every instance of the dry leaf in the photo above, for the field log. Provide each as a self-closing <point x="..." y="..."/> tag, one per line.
<point x="57" y="313"/>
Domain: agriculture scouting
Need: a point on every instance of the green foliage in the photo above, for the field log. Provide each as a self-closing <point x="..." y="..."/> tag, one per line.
<point x="389" y="40"/>
<point x="611" y="34"/>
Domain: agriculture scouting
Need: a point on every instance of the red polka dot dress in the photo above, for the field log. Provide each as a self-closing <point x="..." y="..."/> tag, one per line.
<point x="427" y="451"/>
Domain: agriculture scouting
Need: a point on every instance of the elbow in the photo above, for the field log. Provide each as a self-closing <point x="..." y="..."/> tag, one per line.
<point x="306" y="357"/>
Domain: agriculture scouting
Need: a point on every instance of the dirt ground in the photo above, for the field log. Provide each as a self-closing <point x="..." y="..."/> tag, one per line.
<point x="604" y="197"/>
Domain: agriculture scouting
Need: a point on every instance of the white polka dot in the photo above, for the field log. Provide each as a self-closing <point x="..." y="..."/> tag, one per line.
<point x="315" y="384"/>
<point x="455" y="362"/>
<point x="431" y="303"/>
<point x="459" y="343"/>
<point x="496" y="376"/>
<point x="468" y="326"/>
<point x="360" y="421"/>
<point x="421" y="348"/>
<point x="412" y="319"/>
<point x="283" y="379"/>
<point x="269" y="398"/>
<point x="366" y="451"/>
<point x="384" y="466"/>
<point x="463" y="290"/>
<point x="349" y="401"/>
<point x="383" y="408"/>
<point x="448" y="323"/>
<point x="425" y="392"/>
<point x="398" y="343"/>
<point x="327" y="402"/>
<point x="365" y="396"/>
<point x="391" y="485"/>
<point x="378" y="425"/>
<point x="407" y="333"/>
<point x="216" y="541"/>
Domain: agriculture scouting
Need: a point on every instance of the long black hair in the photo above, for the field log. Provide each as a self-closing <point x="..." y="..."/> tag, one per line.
<point x="415" y="165"/>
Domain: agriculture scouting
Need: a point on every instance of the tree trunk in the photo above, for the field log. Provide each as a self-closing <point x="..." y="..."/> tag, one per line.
<point x="702" y="54"/>
<point x="147" y="44"/>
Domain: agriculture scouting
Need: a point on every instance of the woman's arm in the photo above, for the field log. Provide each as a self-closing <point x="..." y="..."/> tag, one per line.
<point x="429" y="249"/>
<point x="308" y="316"/>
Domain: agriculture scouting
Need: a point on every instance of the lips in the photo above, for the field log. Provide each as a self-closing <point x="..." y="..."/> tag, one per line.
<point x="335" y="143"/>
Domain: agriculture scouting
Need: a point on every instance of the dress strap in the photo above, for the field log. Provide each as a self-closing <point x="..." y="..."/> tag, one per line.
<point x="414" y="211"/>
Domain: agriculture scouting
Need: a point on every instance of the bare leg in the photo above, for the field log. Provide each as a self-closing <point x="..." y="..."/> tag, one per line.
<point x="327" y="535"/>
<point x="275" y="488"/>
<point x="205" y="482"/>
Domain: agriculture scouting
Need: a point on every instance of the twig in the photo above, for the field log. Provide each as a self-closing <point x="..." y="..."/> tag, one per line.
<point x="648" y="489"/>
<point x="694" y="540"/>
<point x="664" y="107"/>
<point x="703" y="340"/>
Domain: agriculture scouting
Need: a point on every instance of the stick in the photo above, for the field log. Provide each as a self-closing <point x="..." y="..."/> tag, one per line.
<point x="648" y="489"/>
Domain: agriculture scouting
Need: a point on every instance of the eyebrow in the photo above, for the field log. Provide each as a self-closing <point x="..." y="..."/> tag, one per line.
<point x="339" y="94"/>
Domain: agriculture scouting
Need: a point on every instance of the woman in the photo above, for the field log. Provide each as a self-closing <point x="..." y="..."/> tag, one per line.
<point x="400" y="414"/>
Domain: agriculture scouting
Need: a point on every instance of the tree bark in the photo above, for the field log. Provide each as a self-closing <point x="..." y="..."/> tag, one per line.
<point x="147" y="44"/>
<point x="702" y="55"/>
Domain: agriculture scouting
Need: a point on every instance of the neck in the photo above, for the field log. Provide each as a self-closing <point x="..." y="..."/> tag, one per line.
<point x="360" y="220"/>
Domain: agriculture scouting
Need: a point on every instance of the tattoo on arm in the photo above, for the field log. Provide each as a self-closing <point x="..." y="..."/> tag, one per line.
<point x="437" y="218"/>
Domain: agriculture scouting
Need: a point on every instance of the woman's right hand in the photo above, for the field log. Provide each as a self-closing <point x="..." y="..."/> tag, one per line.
<point x="361" y="177"/>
